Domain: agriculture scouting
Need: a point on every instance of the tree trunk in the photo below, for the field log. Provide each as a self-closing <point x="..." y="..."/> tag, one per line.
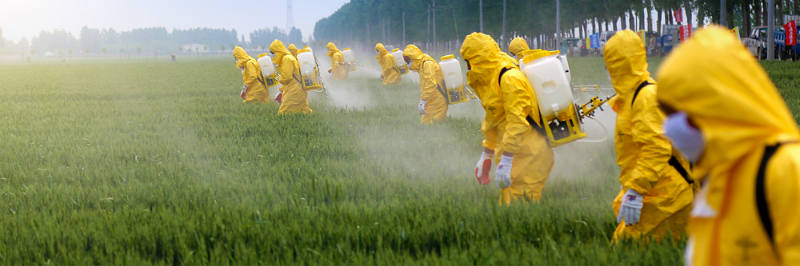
<point x="779" y="12"/>
<point x="596" y="27"/>
<point x="729" y="15"/>
<point x="765" y="10"/>
<point x="756" y="14"/>
<point x="746" y="17"/>
<point x="687" y="8"/>
<point x="646" y="19"/>
<point x="796" y="8"/>
<point x="669" y="16"/>
<point x="659" y="21"/>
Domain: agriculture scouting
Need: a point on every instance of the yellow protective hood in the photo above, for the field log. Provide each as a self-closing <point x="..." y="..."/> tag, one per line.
<point x="241" y="56"/>
<point x="417" y="57"/>
<point x="485" y="59"/>
<point x="727" y="95"/>
<point x="381" y="51"/>
<point x="626" y="61"/>
<point x="332" y="49"/>
<point x="279" y="50"/>
<point x="517" y="46"/>
<point x="293" y="49"/>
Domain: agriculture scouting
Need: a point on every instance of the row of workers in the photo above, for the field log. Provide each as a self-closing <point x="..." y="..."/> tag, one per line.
<point x="292" y="97"/>
<point x="714" y="118"/>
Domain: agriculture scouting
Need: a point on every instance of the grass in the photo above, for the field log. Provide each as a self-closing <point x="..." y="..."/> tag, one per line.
<point x="154" y="162"/>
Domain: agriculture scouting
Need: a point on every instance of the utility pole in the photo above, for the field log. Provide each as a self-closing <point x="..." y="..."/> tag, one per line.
<point x="404" y="28"/>
<point x="503" y="36"/>
<point x="770" y="29"/>
<point x="558" y="24"/>
<point x="722" y="13"/>
<point x="480" y="8"/>
<point x="433" y="9"/>
<point x="428" y="32"/>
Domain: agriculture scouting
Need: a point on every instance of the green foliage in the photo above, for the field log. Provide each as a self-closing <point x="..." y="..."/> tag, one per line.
<point x="155" y="162"/>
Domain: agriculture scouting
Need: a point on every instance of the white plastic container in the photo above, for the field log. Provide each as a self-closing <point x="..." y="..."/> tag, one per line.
<point x="549" y="82"/>
<point x="565" y="66"/>
<point x="451" y="69"/>
<point x="398" y="57"/>
<point x="307" y="63"/>
<point x="267" y="68"/>
<point x="349" y="58"/>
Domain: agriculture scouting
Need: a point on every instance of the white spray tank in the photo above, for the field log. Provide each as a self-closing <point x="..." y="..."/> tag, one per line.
<point x="453" y="80"/>
<point x="307" y="63"/>
<point x="565" y="66"/>
<point x="348" y="56"/>
<point x="267" y="68"/>
<point x="549" y="81"/>
<point x="398" y="59"/>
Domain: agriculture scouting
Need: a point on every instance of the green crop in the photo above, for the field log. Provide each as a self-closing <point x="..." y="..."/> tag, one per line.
<point x="155" y="162"/>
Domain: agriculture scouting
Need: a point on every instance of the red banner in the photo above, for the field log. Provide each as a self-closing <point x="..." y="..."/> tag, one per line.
<point x="678" y="16"/>
<point x="686" y="32"/>
<point x="791" y="33"/>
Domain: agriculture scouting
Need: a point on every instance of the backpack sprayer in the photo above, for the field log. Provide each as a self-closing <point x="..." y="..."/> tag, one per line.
<point x="560" y="116"/>
<point x="310" y="78"/>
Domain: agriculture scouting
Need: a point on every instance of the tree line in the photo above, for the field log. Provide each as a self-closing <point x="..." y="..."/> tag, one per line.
<point x="370" y="21"/>
<point x="146" y="40"/>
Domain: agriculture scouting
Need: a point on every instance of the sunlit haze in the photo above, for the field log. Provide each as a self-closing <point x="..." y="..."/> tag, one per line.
<point x="26" y="18"/>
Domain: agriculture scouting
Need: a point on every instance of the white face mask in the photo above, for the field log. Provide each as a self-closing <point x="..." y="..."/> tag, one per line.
<point x="687" y="139"/>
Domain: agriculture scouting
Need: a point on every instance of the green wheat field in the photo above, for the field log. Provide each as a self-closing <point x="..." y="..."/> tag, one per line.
<point x="147" y="161"/>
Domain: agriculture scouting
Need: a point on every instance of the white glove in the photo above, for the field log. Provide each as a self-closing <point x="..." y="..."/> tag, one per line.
<point x="483" y="167"/>
<point x="631" y="207"/>
<point x="421" y="107"/>
<point x="503" y="173"/>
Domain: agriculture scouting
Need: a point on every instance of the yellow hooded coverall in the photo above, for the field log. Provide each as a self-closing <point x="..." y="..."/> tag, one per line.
<point x="253" y="81"/>
<point x="643" y="152"/>
<point x="339" y="69"/>
<point x="295" y="99"/>
<point x="509" y="103"/>
<point x="431" y="84"/>
<point x="389" y="70"/>
<point x="293" y="50"/>
<point x="731" y="100"/>
<point x="517" y="46"/>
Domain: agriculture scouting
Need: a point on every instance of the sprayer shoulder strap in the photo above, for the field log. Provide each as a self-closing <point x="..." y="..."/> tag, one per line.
<point x="761" y="194"/>
<point x="439" y="85"/>
<point x="639" y="89"/>
<point x="536" y="125"/>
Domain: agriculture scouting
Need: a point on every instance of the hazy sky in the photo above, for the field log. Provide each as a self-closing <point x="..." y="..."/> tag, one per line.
<point x="26" y="18"/>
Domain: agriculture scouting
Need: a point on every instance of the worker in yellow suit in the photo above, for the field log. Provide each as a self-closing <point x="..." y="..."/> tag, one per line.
<point x="432" y="102"/>
<point x="293" y="50"/>
<point x="389" y="71"/>
<point x="656" y="181"/>
<point x="339" y="68"/>
<point x="294" y="99"/>
<point x="254" y="89"/>
<point x="512" y="126"/>
<point x="725" y="114"/>
<point x="517" y="46"/>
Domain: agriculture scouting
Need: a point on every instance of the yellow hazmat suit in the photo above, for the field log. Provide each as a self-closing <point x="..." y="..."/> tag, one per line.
<point x="295" y="99"/>
<point x="643" y="152"/>
<point x="339" y="69"/>
<point x="431" y="84"/>
<point x="389" y="70"/>
<point x="731" y="100"/>
<point x="251" y="75"/>
<point x="510" y="104"/>
<point x="293" y="50"/>
<point x="517" y="46"/>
